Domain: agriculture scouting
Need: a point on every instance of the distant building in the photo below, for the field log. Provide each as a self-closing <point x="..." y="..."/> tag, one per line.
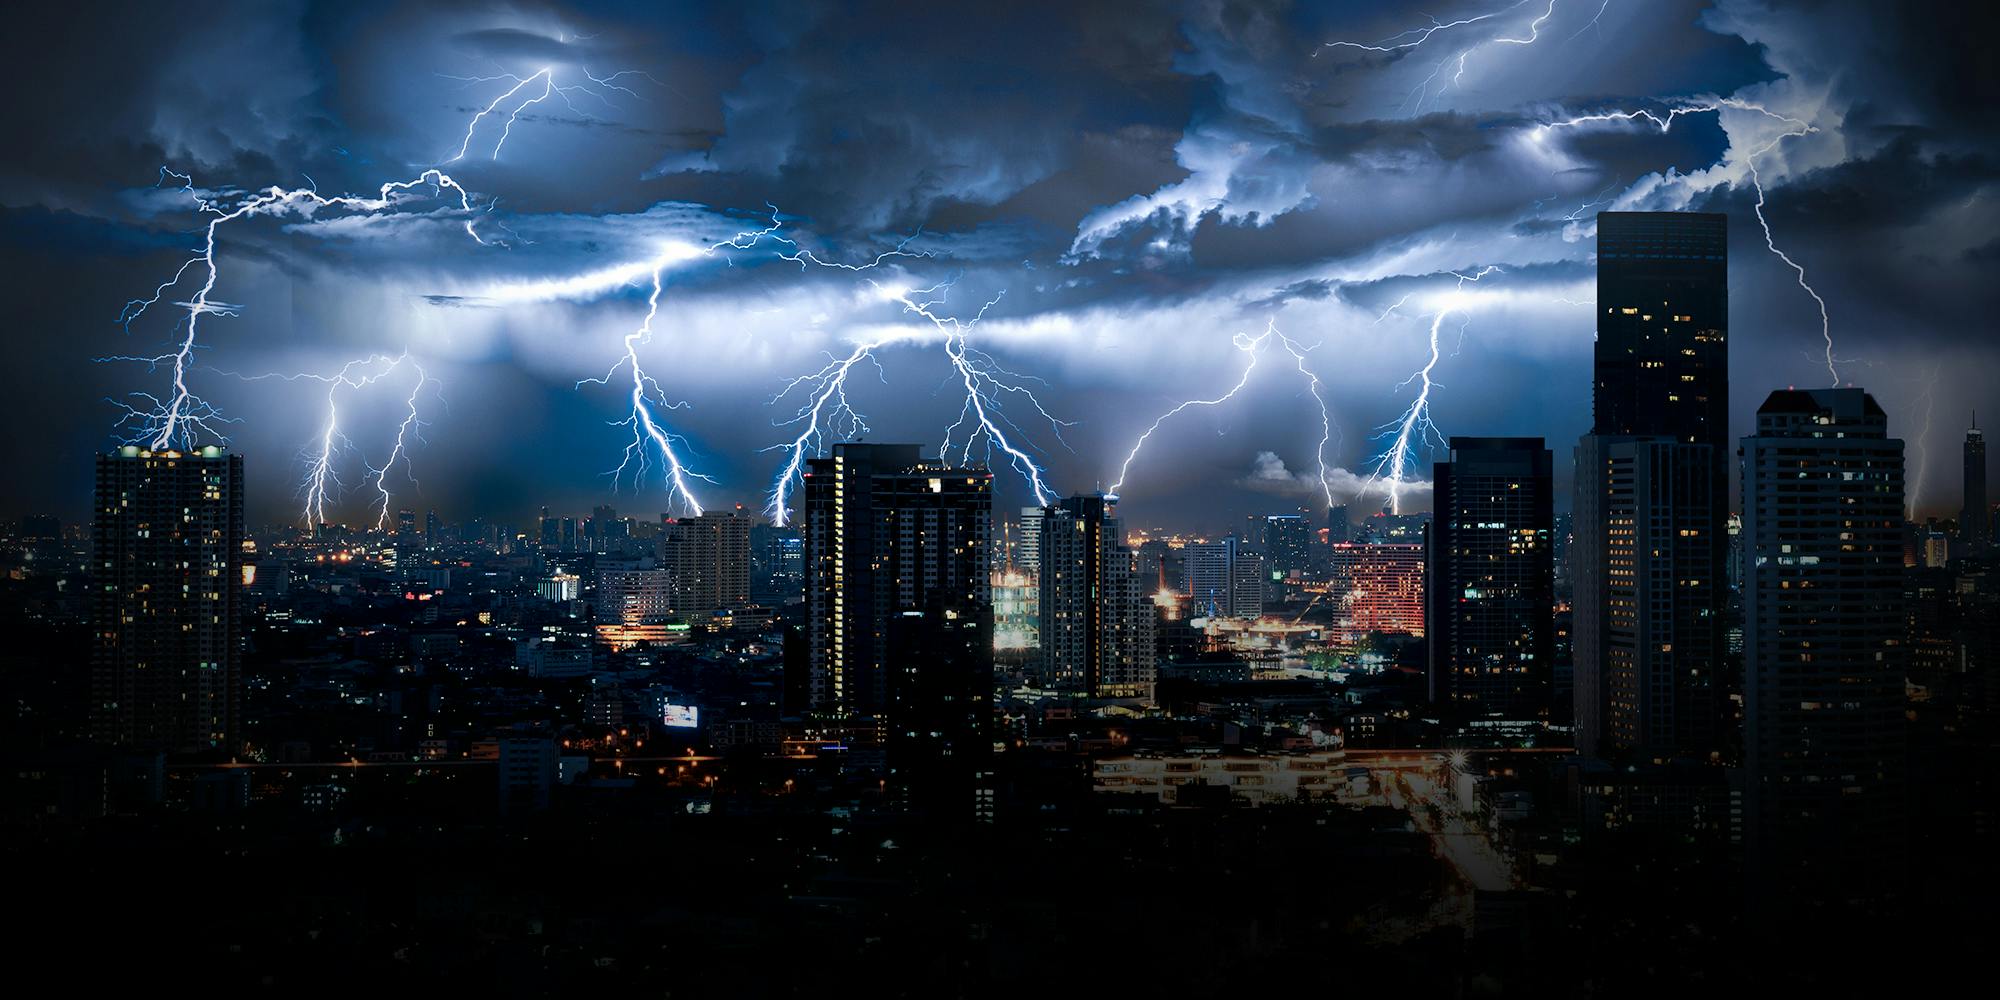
<point x="1209" y="567"/>
<point x="1223" y="580"/>
<point x="1975" y="521"/>
<point x="560" y="587"/>
<point x="527" y="771"/>
<point x="707" y="558"/>
<point x="1380" y="588"/>
<point x="1823" y="640"/>
<point x="167" y="568"/>
<point x="1491" y="575"/>
<point x="1288" y="546"/>
<point x="627" y="596"/>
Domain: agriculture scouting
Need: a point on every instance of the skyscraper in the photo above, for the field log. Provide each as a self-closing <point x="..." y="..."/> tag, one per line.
<point x="167" y="558"/>
<point x="1662" y="352"/>
<point x="1646" y="648"/>
<point x="1096" y="621"/>
<point x="1823" y="630"/>
<point x="1975" y="521"/>
<point x="888" y="534"/>
<point x="708" y="558"/>
<point x="1650" y="543"/>
<point x="1492" y="580"/>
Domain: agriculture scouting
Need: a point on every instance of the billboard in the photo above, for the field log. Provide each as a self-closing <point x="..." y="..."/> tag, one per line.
<point x="682" y="716"/>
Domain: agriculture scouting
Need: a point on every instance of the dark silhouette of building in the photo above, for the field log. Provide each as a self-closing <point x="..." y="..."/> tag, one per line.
<point x="1651" y="546"/>
<point x="1975" y="520"/>
<point x="1491" y="575"/>
<point x="1094" y="616"/>
<point x="167" y="574"/>
<point x="899" y="618"/>
<point x="1823" y="642"/>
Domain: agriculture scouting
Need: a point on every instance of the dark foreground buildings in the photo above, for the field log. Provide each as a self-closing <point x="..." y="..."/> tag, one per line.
<point x="1491" y="576"/>
<point x="1652" y="493"/>
<point x="1823" y="642"/>
<point x="899" y="619"/>
<point x="167" y="565"/>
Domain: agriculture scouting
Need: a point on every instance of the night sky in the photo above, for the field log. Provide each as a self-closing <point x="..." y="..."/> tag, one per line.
<point x="1137" y="184"/>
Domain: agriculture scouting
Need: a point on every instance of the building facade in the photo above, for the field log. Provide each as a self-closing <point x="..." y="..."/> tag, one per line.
<point x="1823" y="639"/>
<point x="707" y="557"/>
<point x="1095" y="621"/>
<point x="1651" y="548"/>
<point x="1492" y="581"/>
<point x="167" y="568"/>
<point x="1380" y="588"/>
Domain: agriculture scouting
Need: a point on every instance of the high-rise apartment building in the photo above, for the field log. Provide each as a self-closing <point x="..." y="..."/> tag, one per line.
<point x="1095" y="619"/>
<point x="900" y="619"/>
<point x="167" y="568"/>
<point x="1823" y="639"/>
<point x="1491" y="576"/>
<point x="1222" y="579"/>
<point x="886" y="533"/>
<point x="708" y="558"/>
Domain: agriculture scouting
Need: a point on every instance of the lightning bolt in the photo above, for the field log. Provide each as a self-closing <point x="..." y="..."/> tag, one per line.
<point x="546" y="77"/>
<point x="182" y="415"/>
<point x="647" y="399"/>
<point x="1794" y="128"/>
<point x="986" y="383"/>
<point x="178" y="418"/>
<point x="408" y="428"/>
<point x="321" y="485"/>
<point x="1326" y="428"/>
<point x="1250" y="346"/>
<point x="1396" y="466"/>
<point x="1253" y="349"/>
<point x="1929" y="401"/>
<point x="825" y="413"/>
<point x="1414" y="38"/>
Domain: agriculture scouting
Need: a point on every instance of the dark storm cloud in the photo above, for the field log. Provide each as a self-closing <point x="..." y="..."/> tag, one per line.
<point x="1141" y="181"/>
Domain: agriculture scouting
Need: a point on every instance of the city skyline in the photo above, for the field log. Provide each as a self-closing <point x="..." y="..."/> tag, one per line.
<point x="753" y="500"/>
<point x="1215" y="182"/>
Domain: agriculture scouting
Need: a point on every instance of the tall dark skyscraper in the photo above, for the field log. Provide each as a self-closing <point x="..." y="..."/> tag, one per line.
<point x="1975" y="519"/>
<point x="1095" y="618"/>
<point x="1652" y="492"/>
<point x="1491" y="578"/>
<point x="1662" y="354"/>
<point x="167" y="568"/>
<point x="899" y="618"/>
<point x="1823" y="640"/>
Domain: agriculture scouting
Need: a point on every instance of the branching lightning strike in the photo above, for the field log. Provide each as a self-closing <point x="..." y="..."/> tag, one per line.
<point x="1407" y="434"/>
<point x="1253" y="347"/>
<point x="182" y="415"/>
<point x="1794" y="128"/>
